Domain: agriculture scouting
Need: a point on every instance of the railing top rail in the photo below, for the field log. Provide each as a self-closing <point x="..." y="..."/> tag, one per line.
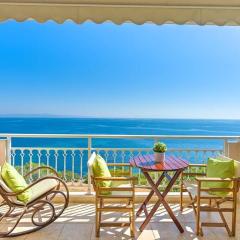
<point x="117" y="136"/>
<point x="51" y="148"/>
<point x="112" y="149"/>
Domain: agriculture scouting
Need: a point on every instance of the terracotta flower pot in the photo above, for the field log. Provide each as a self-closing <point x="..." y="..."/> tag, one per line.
<point x="159" y="157"/>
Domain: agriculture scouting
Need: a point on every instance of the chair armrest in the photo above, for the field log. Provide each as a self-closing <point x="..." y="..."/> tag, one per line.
<point x="193" y="174"/>
<point x="119" y="164"/>
<point x="216" y="180"/>
<point x="122" y="189"/>
<point x="208" y="179"/>
<point x="110" y="189"/>
<point x="197" y="165"/>
<point x="115" y="178"/>
<point x="132" y="180"/>
<point x="39" y="168"/>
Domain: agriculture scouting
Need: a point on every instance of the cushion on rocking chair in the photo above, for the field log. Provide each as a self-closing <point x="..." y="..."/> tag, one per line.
<point x="8" y="190"/>
<point x="9" y="182"/>
<point x="42" y="187"/>
<point x="15" y="182"/>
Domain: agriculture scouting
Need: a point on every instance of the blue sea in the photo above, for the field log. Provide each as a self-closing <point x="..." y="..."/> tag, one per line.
<point x="118" y="126"/>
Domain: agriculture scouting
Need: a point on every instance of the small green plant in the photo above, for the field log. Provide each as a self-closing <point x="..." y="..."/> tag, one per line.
<point x="160" y="147"/>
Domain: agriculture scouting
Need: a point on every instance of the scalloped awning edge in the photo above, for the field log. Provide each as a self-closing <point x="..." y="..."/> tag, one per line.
<point x="118" y="14"/>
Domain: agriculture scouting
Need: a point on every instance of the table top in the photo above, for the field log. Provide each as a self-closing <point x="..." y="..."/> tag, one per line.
<point x="148" y="163"/>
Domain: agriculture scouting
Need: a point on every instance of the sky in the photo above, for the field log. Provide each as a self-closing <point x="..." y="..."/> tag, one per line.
<point x="109" y="70"/>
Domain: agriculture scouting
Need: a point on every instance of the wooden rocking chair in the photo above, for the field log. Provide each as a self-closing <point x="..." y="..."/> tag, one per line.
<point x="199" y="195"/>
<point x="122" y="189"/>
<point x="40" y="207"/>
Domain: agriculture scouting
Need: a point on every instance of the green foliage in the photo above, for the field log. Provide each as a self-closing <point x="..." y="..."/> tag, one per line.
<point x="160" y="147"/>
<point x="68" y="176"/>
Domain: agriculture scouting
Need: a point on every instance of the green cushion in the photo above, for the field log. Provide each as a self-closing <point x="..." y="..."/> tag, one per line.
<point x="15" y="182"/>
<point x="219" y="168"/>
<point x="100" y="169"/>
<point x="236" y="165"/>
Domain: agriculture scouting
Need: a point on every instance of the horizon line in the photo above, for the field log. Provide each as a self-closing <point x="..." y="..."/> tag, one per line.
<point x="105" y="117"/>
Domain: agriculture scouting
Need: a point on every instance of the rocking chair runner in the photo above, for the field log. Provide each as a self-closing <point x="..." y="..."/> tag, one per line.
<point x="44" y="191"/>
<point x="198" y="194"/>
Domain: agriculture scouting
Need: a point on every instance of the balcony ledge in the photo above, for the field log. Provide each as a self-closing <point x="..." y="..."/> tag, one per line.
<point x="83" y="197"/>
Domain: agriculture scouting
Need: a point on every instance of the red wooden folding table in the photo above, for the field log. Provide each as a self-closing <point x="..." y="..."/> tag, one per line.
<point x="148" y="164"/>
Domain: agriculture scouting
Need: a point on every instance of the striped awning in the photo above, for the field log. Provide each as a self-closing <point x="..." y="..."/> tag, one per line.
<point x="218" y="12"/>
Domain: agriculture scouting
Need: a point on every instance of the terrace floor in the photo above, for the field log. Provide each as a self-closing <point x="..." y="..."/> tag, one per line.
<point x="77" y="222"/>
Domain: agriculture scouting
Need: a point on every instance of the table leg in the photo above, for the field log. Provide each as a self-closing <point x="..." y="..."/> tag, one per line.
<point x="161" y="201"/>
<point x="144" y="204"/>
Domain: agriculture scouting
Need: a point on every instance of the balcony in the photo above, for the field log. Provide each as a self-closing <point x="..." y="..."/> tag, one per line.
<point x="70" y="161"/>
<point x="77" y="222"/>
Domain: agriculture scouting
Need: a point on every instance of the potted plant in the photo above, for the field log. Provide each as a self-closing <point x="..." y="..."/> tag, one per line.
<point x="159" y="151"/>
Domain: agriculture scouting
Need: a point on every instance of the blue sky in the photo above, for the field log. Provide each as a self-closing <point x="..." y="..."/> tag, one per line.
<point x="108" y="70"/>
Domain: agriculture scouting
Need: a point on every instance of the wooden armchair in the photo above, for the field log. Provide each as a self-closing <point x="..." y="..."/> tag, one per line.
<point x="122" y="190"/>
<point x="40" y="208"/>
<point x="191" y="182"/>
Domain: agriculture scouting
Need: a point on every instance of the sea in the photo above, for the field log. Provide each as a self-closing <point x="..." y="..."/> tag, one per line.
<point x="60" y="125"/>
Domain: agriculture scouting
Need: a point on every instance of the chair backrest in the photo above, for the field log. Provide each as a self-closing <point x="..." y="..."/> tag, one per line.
<point x="3" y="151"/>
<point x="3" y="159"/>
<point x="237" y="168"/>
<point x="90" y="169"/>
<point x="90" y="163"/>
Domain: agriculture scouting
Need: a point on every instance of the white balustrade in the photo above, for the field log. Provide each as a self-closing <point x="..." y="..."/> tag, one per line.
<point x="71" y="163"/>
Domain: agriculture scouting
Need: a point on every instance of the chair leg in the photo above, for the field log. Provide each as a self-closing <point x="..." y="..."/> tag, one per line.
<point x="223" y="218"/>
<point x="181" y="198"/>
<point x="132" y="221"/>
<point x="100" y="213"/>
<point x="193" y="201"/>
<point x="233" y="233"/>
<point x="196" y="211"/>
<point x="234" y="213"/>
<point x="181" y="194"/>
<point x="198" y="214"/>
<point x="97" y="222"/>
<point x="210" y="202"/>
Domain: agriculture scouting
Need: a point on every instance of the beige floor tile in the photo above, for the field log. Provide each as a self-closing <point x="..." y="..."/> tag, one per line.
<point x="4" y="227"/>
<point x="51" y="232"/>
<point x="111" y="233"/>
<point x="78" y="231"/>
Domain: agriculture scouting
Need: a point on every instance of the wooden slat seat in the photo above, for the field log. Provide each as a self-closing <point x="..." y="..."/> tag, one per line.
<point x="192" y="187"/>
